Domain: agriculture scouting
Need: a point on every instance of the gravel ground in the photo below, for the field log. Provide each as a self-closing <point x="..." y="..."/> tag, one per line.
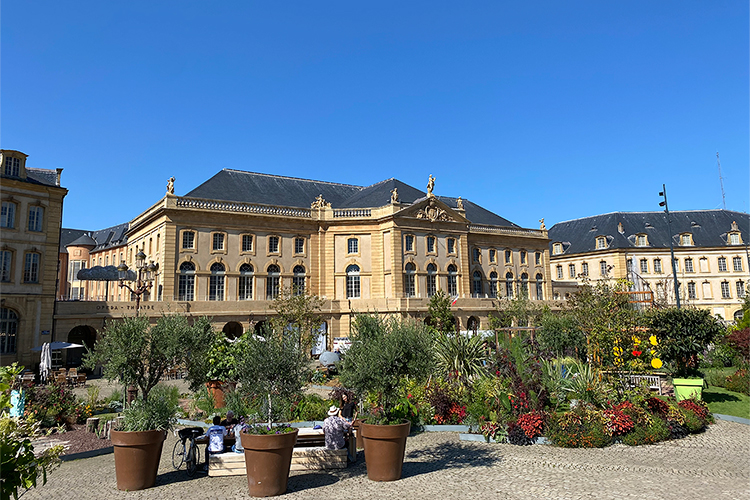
<point x="712" y="465"/>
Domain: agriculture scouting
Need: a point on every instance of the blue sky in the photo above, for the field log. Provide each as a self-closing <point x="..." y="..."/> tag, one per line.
<point x="531" y="109"/>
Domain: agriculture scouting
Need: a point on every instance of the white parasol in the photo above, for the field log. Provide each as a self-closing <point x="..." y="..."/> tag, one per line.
<point x="46" y="364"/>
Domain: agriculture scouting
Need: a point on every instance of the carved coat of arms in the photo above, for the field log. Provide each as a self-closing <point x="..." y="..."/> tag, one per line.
<point x="433" y="213"/>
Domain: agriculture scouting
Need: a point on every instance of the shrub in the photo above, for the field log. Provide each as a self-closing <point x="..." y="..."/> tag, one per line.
<point x="739" y="382"/>
<point x="310" y="407"/>
<point x="517" y="435"/>
<point x="699" y="409"/>
<point x="638" y="415"/>
<point x="51" y="405"/>
<point x="494" y="431"/>
<point x="532" y="424"/>
<point x="740" y="340"/>
<point x="157" y="412"/>
<point x="617" y="422"/>
<point x="652" y="433"/>
<point x="582" y="427"/>
<point x="693" y="422"/>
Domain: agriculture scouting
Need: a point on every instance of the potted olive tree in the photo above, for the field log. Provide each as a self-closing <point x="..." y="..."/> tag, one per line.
<point x="136" y="353"/>
<point x="272" y="369"/>
<point x="383" y="352"/>
<point x="682" y="335"/>
<point x="216" y="369"/>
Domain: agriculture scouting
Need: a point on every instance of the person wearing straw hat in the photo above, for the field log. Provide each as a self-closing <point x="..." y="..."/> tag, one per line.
<point x="334" y="428"/>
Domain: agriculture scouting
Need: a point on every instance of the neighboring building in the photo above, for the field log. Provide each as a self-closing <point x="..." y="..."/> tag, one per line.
<point x="710" y="248"/>
<point x="32" y="201"/>
<point x="228" y="247"/>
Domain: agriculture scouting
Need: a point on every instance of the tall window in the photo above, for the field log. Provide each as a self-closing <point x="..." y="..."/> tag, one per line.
<point x="352" y="282"/>
<point x="629" y="265"/>
<point x="725" y="290"/>
<point x="689" y="265"/>
<point x="218" y="241"/>
<point x="272" y="281"/>
<point x="737" y="263"/>
<point x="247" y="242"/>
<point x="6" y="259"/>
<point x="559" y="272"/>
<point x="186" y="282"/>
<point x="508" y="256"/>
<point x="273" y="244"/>
<point x="431" y="246"/>
<point x="493" y="284"/>
<point x="352" y="245"/>
<point x="216" y="282"/>
<point x="36" y="216"/>
<point x="557" y="249"/>
<point x="539" y="287"/>
<point x="691" y="290"/>
<point x="8" y="329"/>
<point x="188" y="239"/>
<point x="451" y="242"/>
<point x="299" y="246"/>
<point x="246" y="282"/>
<point x="476" y="254"/>
<point x="538" y="258"/>
<point x="509" y="285"/>
<point x="644" y="266"/>
<point x="452" y="281"/>
<point x="525" y="285"/>
<point x="409" y="243"/>
<point x="740" y="289"/>
<point x="603" y="268"/>
<point x="431" y="280"/>
<point x="657" y="266"/>
<point x="523" y="257"/>
<point x="601" y="242"/>
<point x="31" y="268"/>
<point x="8" y="215"/>
<point x="722" y="264"/>
<point x="493" y="255"/>
<point x="298" y="280"/>
<point x="476" y="289"/>
<point x="409" y="288"/>
<point x="12" y="168"/>
<point x="585" y="269"/>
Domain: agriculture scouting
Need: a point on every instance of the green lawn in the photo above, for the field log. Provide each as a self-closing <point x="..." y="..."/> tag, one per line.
<point x="727" y="402"/>
<point x="714" y="375"/>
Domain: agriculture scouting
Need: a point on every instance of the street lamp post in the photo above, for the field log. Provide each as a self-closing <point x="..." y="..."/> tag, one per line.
<point x="663" y="194"/>
<point x="144" y="279"/>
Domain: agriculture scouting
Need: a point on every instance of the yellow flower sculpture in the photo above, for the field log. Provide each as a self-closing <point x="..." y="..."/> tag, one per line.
<point x="656" y="363"/>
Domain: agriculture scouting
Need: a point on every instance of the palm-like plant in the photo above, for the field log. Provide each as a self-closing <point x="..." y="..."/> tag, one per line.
<point x="460" y="357"/>
<point x="587" y="385"/>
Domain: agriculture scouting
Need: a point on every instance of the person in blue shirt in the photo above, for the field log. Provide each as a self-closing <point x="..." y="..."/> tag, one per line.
<point x="215" y="435"/>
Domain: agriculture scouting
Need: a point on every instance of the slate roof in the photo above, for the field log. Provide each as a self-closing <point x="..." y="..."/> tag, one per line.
<point x="101" y="240"/>
<point x="253" y="187"/>
<point x="42" y="176"/>
<point x="708" y="227"/>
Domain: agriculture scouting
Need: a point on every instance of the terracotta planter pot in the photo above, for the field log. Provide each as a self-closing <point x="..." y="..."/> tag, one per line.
<point x="137" y="456"/>
<point x="217" y="388"/>
<point x="356" y="427"/>
<point x="267" y="462"/>
<point x="384" y="450"/>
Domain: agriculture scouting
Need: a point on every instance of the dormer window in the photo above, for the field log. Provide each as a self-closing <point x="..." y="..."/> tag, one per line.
<point x="601" y="242"/>
<point x="557" y="249"/>
<point x="12" y="166"/>
<point x="641" y="240"/>
<point x="735" y="239"/>
<point x="686" y="239"/>
<point x="13" y="163"/>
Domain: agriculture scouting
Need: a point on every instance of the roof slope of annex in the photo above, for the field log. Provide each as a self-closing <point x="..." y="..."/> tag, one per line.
<point x="709" y="228"/>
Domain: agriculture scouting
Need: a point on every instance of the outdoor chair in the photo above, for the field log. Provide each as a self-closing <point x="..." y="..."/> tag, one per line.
<point x="81" y="380"/>
<point x="61" y="379"/>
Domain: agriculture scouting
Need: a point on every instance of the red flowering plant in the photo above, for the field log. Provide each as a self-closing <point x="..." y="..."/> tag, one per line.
<point x="532" y="423"/>
<point x="617" y="422"/>
<point x="697" y="406"/>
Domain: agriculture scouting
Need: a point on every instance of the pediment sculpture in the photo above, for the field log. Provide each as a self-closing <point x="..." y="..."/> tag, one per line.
<point x="433" y="213"/>
<point x="320" y="203"/>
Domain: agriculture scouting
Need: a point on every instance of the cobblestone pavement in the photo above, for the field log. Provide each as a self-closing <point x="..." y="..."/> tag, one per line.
<point x="712" y="465"/>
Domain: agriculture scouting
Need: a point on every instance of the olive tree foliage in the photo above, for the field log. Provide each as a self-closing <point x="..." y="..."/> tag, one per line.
<point x="519" y="311"/>
<point x="272" y="367"/>
<point x="682" y="335"/>
<point x="561" y="335"/>
<point x="384" y="351"/>
<point x="136" y="353"/>
<point x="298" y="309"/>
<point x="441" y="317"/>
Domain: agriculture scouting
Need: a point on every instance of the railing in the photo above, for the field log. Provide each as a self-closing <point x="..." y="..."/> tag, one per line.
<point x="511" y="231"/>
<point x="227" y="206"/>
<point x="352" y="213"/>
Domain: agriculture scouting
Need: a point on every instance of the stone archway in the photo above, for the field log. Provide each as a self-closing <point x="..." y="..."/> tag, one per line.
<point x="81" y="334"/>
<point x="472" y="325"/>
<point x="232" y="330"/>
<point x="259" y="327"/>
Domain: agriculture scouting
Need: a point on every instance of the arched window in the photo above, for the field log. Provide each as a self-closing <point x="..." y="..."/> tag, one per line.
<point x="525" y="285"/>
<point x="539" y="287"/>
<point x="452" y="281"/>
<point x="509" y="285"/>
<point x="431" y="280"/>
<point x="186" y="282"/>
<point x="476" y="289"/>
<point x="352" y="282"/>
<point x="493" y="284"/>
<point x="8" y="329"/>
<point x="298" y="280"/>
<point x="246" y="282"/>
<point x="409" y="286"/>
<point x="216" y="282"/>
<point x="272" y="281"/>
<point x="472" y="324"/>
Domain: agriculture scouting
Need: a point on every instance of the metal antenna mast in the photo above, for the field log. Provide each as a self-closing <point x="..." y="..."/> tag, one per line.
<point x="721" y="182"/>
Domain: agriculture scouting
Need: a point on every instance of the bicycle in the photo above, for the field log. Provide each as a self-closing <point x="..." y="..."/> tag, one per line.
<point x="186" y="450"/>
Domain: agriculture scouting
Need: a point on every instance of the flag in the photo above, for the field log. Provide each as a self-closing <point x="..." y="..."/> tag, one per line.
<point x="455" y="299"/>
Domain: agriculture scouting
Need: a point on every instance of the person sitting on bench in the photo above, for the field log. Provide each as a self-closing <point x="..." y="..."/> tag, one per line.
<point x="333" y="428"/>
<point x="215" y="435"/>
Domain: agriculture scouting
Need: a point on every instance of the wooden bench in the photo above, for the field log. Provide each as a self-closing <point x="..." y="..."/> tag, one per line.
<point x="308" y="458"/>
<point x="653" y="381"/>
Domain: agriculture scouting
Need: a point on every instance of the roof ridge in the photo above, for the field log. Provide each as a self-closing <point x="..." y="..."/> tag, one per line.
<point x="651" y="212"/>
<point x="292" y="178"/>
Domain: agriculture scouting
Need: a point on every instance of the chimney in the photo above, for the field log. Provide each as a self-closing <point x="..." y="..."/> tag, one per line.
<point x="59" y="173"/>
